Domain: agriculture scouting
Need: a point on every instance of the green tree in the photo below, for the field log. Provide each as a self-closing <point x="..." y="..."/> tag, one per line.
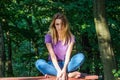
<point x="104" y="39"/>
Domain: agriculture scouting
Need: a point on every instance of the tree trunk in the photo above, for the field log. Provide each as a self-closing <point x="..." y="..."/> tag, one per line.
<point x="9" y="61"/>
<point x="2" y="54"/>
<point x="104" y="39"/>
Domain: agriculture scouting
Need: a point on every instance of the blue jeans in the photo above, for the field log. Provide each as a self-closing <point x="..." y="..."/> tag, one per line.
<point x="48" y="67"/>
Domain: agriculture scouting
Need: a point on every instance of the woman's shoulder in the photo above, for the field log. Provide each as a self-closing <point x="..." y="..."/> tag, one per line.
<point x="48" y="38"/>
<point x="47" y="35"/>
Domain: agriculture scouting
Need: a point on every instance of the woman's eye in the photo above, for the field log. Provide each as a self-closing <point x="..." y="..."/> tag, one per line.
<point x="57" y="24"/>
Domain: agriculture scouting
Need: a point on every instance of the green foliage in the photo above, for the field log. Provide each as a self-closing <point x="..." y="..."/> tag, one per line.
<point x="116" y="73"/>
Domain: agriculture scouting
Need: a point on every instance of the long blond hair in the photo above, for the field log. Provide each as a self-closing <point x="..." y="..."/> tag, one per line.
<point x="66" y="33"/>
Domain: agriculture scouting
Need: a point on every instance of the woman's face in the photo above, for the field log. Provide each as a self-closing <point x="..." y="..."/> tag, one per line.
<point x="58" y="25"/>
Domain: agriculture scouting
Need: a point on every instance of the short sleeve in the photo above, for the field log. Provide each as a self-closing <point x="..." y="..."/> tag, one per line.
<point x="48" y="38"/>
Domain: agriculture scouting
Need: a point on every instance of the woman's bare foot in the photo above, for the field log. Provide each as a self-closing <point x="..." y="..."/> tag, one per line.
<point x="75" y="74"/>
<point x="47" y="76"/>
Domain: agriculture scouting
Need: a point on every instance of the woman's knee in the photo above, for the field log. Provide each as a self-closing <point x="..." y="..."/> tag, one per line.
<point x="76" y="61"/>
<point x="80" y="56"/>
<point x="40" y="62"/>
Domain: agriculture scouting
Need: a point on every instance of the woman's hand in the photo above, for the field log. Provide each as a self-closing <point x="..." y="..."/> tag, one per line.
<point x="59" y="75"/>
<point x="62" y="75"/>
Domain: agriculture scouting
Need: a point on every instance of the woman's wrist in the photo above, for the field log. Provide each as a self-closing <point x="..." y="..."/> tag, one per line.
<point x="58" y="70"/>
<point x="64" y="69"/>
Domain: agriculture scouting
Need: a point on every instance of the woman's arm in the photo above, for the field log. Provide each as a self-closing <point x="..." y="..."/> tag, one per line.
<point x="67" y="58"/>
<point x="53" y="57"/>
<point x="68" y="54"/>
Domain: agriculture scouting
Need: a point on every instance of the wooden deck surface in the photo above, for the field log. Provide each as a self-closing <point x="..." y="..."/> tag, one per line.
<point x="43" y="78"/>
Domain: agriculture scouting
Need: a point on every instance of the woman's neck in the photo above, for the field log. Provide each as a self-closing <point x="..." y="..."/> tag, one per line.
<point x="59" y="36"/>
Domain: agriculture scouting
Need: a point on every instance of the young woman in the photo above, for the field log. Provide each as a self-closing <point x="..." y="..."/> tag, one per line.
<point x="59" y="41"/>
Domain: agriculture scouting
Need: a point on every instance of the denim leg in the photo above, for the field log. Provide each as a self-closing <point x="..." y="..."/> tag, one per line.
<point x="45" y="68"/>
<point x="75" y="62"/>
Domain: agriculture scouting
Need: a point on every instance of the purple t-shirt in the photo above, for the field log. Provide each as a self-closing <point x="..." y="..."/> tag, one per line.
<point x="58" y="48"/>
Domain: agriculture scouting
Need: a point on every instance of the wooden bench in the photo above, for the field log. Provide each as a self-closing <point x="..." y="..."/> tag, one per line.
<point x="92" y="77"/>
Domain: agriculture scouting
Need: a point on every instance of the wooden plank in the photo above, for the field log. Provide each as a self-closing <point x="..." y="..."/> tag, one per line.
<point x="91" y="77"/>
<point x="49" y="78"/>
<point x="35" y="78"/>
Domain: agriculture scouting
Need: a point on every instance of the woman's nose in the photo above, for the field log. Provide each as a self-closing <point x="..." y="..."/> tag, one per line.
<point x="59" y="27"/>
